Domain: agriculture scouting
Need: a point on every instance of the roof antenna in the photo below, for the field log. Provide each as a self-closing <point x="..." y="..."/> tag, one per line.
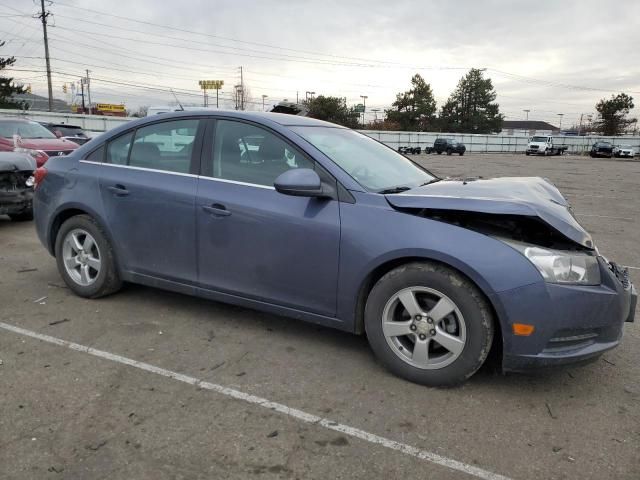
<point x="176" y="97"/>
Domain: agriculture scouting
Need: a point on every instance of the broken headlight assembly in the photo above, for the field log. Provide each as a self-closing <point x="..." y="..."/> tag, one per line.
<point x="561" y="266"/>
<point x="30" y="151"/>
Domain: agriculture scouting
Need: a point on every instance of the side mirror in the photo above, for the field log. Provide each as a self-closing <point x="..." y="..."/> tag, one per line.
<point x="58" y="134"/>
<point x="300" y="182"/>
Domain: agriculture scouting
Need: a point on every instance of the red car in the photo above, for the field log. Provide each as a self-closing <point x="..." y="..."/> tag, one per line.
<point x="17" y="135"/>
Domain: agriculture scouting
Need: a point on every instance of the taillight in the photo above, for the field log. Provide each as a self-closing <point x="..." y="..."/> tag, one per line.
<point x="39" y="175"/>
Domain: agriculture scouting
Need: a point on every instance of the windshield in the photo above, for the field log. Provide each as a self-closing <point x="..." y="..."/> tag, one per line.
<point x="538" y="139"/>
<point x="24" y="129"/>
<point x="372" y="164"/>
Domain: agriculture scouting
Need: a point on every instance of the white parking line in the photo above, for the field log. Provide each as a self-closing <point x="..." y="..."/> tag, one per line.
<point x="263" y="402"/>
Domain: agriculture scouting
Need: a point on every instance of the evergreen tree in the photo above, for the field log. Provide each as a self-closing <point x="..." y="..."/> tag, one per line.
<point x="7" y="87"/>
<point x="471" y="107"/>
<point x="414" y="109"/>
<point x="612" y="115"/>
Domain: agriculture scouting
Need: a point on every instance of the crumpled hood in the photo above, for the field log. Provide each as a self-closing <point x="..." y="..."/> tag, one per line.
<point x="527" y="196"/>
<point x="12" y="162"/>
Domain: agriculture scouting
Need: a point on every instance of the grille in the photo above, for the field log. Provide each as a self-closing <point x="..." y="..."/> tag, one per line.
<point x="621" y="273"/>
<point x="566" y="340"/>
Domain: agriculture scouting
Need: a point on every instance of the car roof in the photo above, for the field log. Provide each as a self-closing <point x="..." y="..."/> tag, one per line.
<point x="283" y="119"/>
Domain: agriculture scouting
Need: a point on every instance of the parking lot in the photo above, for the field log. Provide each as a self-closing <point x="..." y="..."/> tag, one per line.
<point x="110" y="405"/>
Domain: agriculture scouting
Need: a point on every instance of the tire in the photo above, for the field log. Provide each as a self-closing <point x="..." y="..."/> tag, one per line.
<point x="96" y="282"/>
<point x="461" y="153"/>
<point x="26" y="216"/>
<point x="472" y="317"/>
<point x="526" y="153"/>
<point x="449" y="152"/>
<point x="439" y="152"/>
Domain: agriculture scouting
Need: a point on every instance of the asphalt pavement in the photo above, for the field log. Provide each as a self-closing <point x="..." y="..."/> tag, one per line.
<point x="157" y="385"/>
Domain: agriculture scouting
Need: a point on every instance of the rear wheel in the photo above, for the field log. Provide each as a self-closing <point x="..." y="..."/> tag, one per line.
<point x="429" y="324"/>
<point x="85" y="258"/>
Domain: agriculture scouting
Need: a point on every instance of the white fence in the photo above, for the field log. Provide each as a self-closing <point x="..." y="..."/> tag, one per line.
<point x="502" y="143"/>
<point x="493" y="143"/>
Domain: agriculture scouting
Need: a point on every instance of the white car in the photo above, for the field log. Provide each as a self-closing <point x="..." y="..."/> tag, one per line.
<point x="624" y="151"/>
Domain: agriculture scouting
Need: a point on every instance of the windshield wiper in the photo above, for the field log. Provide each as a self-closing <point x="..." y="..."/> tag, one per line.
<point x="390" y="190"/>
<point x="429" y="182"/>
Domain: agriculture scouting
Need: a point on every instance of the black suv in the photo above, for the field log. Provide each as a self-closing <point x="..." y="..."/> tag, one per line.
<point x="68" y="132"/>
<point x="448" y="145"/>
<point x="602" y="149"/>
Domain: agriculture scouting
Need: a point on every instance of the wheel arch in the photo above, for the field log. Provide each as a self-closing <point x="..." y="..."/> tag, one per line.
<point x="386" y="266"/>
<point x="71" y="210"/>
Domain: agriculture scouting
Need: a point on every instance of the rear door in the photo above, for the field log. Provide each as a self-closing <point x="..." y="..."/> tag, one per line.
<point x="255" y="242"/>
<point x="148" y="186"/>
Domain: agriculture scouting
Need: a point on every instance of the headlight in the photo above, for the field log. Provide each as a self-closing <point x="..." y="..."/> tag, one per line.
<point x="33" y="153"/>
<point x="561" y="266"/>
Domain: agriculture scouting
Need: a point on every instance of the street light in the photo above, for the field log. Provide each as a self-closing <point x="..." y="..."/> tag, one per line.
<point x="527" y="112"/>
<point x="560" y="115"/>
<point x="364" y="106"/>
<point x="263" y="97"/>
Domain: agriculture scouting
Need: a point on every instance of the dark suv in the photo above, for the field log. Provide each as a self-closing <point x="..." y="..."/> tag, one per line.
<point x="68" y="132"/>
<point x="448" y="145"/>
<point x="602" y="149"/>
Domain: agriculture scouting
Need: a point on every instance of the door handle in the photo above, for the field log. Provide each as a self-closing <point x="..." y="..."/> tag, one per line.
<point x="216" y="210"/>
<point x="119" y="190"/>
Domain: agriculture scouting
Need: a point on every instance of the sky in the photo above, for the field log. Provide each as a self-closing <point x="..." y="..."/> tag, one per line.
<point x="544" y="56"/>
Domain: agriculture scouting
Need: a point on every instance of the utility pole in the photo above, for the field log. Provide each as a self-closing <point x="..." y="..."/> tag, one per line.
<point x="560" y="115"/>
<point x="89" y="91"/>
<point x="580" y="125"/>
<point x="364" y="107"/>
<point x="527" y="112"/>
<point x="263" y="97"/>
<point x="82" y="89"/>
<point x="241" y="90"/>
<point x="43" y="16"/>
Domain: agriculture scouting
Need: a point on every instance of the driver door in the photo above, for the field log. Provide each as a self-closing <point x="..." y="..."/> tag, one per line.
<point x="253" y="241"/>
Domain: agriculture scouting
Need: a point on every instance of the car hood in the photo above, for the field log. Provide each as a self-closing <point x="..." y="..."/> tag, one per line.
<point x="48" y="144"/>
<point x="526" y="196"/>
<point x="13" y="162"/>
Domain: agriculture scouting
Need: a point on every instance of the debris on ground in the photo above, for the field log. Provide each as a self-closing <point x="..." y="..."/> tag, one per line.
<point x="273" y="434"/>
<point x="25" y="270"/>
<point x="58" y="322"/>
<point x="40" y="300"/>
<point x="551" y="414"/>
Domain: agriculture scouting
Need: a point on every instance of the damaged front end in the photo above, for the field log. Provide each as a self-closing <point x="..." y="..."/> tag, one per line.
<point x="16" y="184"/>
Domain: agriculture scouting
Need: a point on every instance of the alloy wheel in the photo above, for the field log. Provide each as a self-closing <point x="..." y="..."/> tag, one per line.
<point x="81" y="256"/>
<point x="424" y="327"/>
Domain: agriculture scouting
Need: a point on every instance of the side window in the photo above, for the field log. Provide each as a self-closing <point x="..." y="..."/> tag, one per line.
<point x="97" y="155"/>
<point x="250" y="154"/>
<point x="165" y="146"/>
<point x="118" y="149"/>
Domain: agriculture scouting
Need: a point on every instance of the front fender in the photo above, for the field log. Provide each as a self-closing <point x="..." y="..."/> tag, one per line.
<point x="374" y="234"/>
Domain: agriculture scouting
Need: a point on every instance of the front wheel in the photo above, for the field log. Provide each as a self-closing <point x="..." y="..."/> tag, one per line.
<point x="85" y="258"/>
<point x="461" y="153"/>
<point x="429" y="324"/>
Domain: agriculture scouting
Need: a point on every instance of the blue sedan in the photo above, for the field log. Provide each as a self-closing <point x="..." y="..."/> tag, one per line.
<point x="303" y="218"/>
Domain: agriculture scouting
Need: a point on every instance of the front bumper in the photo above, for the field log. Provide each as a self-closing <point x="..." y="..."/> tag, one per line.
<point x="14" y="202"/>
<point x="573" y="324"/>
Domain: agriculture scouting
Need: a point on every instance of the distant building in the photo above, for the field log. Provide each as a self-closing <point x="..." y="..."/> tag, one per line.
<point x="527" y="128"/>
